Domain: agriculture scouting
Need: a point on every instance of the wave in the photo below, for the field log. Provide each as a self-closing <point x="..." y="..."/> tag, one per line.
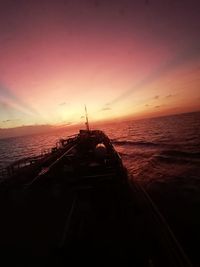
<point x="176" y="156"/>
<point x="181" y="154"/>
<point x="135" y="143"/>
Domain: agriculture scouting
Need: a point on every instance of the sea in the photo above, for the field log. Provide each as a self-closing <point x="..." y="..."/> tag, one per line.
<point x="162" y="154"/>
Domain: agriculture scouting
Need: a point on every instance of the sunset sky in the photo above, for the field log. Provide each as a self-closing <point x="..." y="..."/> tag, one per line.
<point x="121" y="58"/>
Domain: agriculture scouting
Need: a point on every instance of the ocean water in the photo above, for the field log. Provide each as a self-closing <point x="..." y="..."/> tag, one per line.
<point x="162" y="154"/>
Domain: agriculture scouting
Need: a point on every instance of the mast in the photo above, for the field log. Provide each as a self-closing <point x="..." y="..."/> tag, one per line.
<point x="86" y="117"/>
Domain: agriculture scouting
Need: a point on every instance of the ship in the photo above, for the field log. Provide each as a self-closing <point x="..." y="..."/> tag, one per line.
<point x="78" y="204"/>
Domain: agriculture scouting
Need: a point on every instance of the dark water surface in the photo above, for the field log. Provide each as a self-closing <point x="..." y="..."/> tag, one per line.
<point x="163" y="154"/>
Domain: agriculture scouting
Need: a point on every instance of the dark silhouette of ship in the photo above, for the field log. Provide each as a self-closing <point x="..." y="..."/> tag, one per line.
<point x="77" y="204"/>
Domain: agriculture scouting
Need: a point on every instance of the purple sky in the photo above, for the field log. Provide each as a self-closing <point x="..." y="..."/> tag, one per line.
<point x="121" y="58"/>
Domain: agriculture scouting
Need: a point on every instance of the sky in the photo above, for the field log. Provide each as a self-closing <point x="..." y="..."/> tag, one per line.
<point x="122" y="59"/>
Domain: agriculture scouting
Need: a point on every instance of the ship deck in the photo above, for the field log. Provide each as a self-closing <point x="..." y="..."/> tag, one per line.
<point x="82" y="209"/>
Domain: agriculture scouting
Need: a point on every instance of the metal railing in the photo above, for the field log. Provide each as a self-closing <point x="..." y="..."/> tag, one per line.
<point x="25" y="162"/>
<point x="3" y="172"/>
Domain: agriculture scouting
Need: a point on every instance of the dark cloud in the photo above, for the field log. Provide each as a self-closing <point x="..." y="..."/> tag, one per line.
<point x="157" y="106"/>
<point x="147" y="105"/>
<point x="156" y="97"/>
<point x="170" y="95"/>
<point x="106" y="108"/>
<point x="10" y="120"/>
<point x="66" y="123"/>
<point x="63" y="104"/>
